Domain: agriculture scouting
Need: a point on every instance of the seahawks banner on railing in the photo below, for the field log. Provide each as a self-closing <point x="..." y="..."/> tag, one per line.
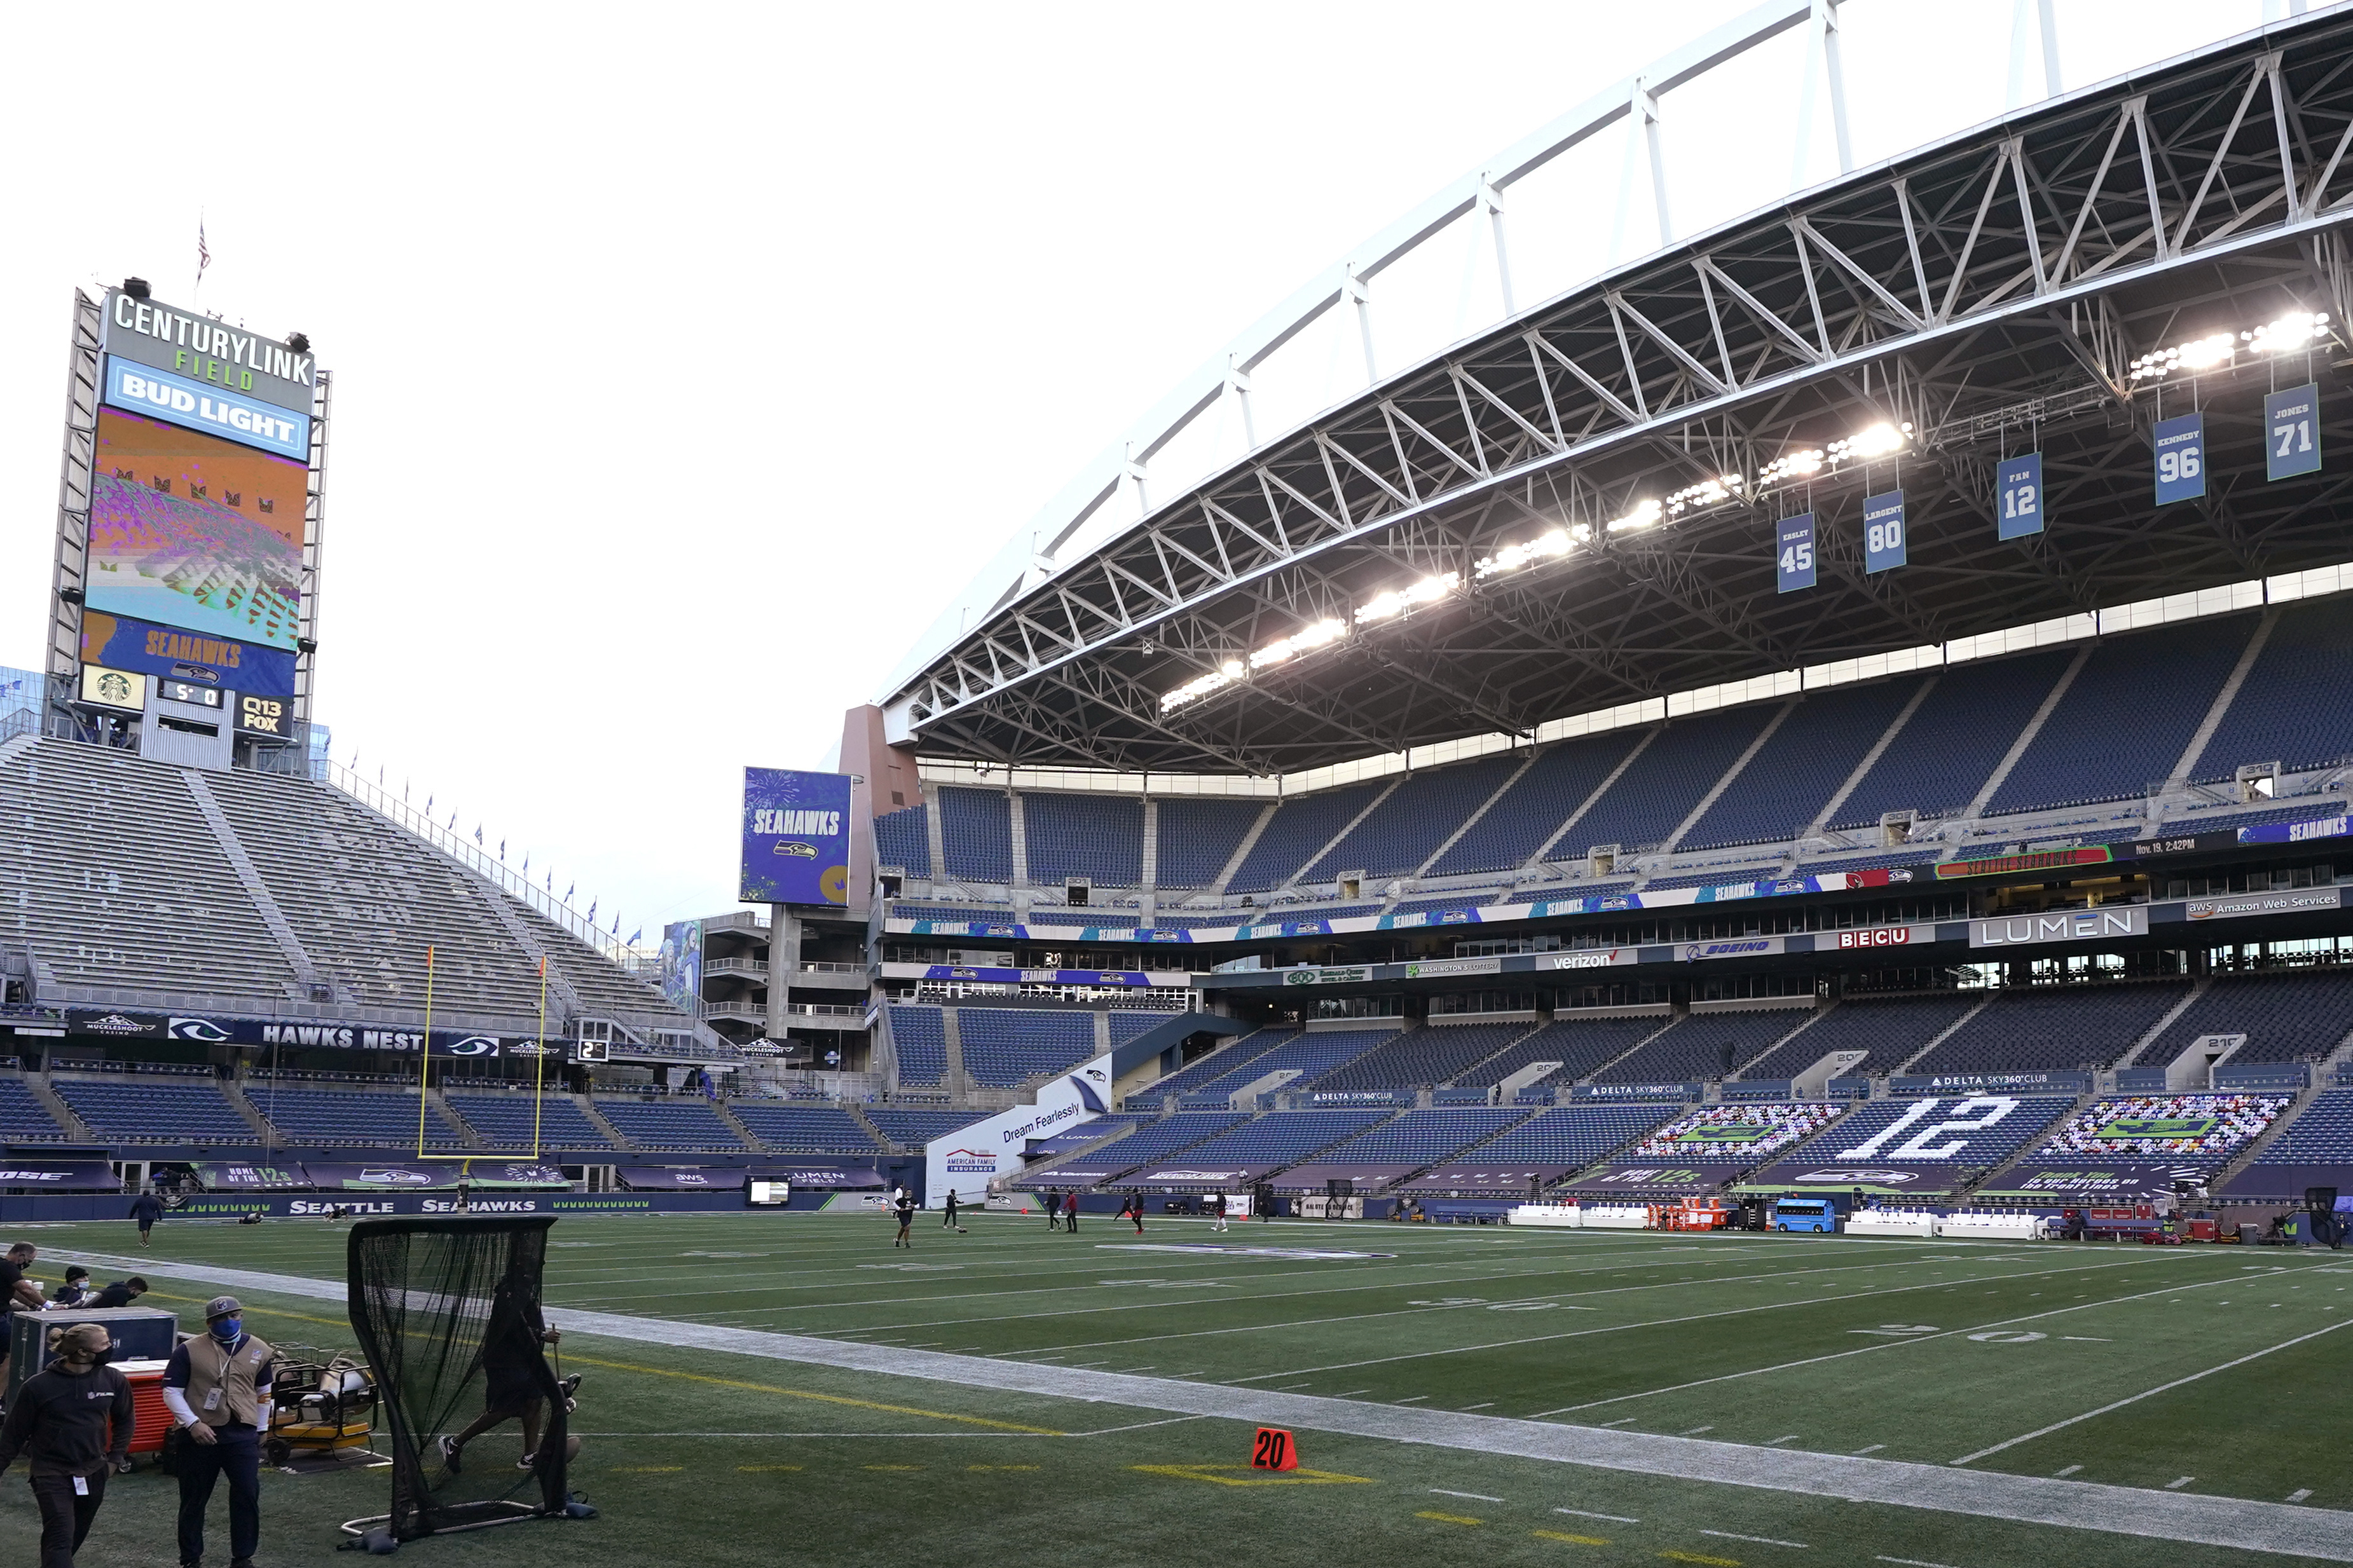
<point x="381" y="1175"/>
<point x="230" y="1176"/>
<point x="114" y="1023"/>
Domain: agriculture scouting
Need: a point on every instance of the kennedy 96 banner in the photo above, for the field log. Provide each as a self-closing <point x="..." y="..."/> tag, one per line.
<point x="795" y="837"/>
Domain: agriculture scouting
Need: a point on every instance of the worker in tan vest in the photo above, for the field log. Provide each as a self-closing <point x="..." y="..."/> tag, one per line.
<point x="217" y="1388"/>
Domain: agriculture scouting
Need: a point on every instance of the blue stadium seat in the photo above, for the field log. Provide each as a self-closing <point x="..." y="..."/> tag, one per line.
<point x="1199" y="837"/>
<point x="1423" y="1137"/>
<point x="678" y="1124"/>
<point x="137" y="1112"/>
<point x="914" y="1129"/>
<point x="976" y="833"/>
<point x="1538" y="802"/>
<point x="1570" y="1135"/>
<point x="2286" y="1017"/>
<point x="337" y="1116"/>
<point x="1153" y="1141"/>
<point x="1005" y="1046"/>
<point x="1223" y="1059"/>
<point x="1312" y="1053"/>
<point x="1954" y="740"/>
<point x="1397" y="835"/>
<point x="1127" y="1024"/>
<point x="1660" y="787"/>
<point x="1299" y="828"/>
<point x="1580" y="1045"/>
<point x="505" y="1121"/>
<point x="919" y="1035"/>
<point x="1893" y="1029"/>
<point x="1100" y="836"/>
<point x="1277" y="1138"/>
<point x="23" y="1118"/>
<point x="1422" y="1058"/>
<point x="2322" y="1135"/>
<point x="2106" y="740"/>
<point x="1793" y="775"/>
<point x="2031" y="1029"/>
<point x="903" y="838"/>
<point x="2295" y="707"/>
<point x="1696" y="1048"/>
<point x="804" y="1129"/>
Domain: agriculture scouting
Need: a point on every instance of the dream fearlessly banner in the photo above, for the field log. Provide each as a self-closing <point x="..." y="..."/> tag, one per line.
<point x="795" y="837"/>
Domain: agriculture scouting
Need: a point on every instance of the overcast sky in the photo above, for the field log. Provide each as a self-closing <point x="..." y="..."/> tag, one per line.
<point x="688" y="360"/>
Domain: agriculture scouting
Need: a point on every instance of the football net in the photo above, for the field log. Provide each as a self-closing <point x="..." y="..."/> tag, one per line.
<point x="446" y="1310"/>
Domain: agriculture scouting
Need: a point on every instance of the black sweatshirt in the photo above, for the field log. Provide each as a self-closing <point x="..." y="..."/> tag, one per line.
<point x="59" y="1422"/>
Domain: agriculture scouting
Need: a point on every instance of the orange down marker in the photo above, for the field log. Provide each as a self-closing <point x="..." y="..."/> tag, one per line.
<point x="1274" y="1450"/>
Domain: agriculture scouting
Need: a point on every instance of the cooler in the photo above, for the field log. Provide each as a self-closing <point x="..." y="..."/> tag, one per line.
<point x="140" y="1334"/>
<point x="150" y="1419"/>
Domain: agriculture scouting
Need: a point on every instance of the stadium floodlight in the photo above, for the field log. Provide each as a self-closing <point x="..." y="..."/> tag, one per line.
<point x="1708" y="492"/>
<point x="1643" y="516"/>
<point x="2292" y="332"/>
<point x="1298" y="642"/>
<point x="1798" y="465"/>
<point x="2199" y="353"/>
<point x="1397" y="601"/>
<point x="1877" y="441"/>
<point x="1543" y="547"/>
<point x="2286" y="334"/>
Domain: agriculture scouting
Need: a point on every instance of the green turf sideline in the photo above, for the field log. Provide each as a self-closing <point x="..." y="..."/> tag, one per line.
<point x="2326" y="1534"/>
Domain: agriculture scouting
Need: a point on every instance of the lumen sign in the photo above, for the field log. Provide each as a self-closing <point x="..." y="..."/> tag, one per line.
<point x="2060" y="925"/>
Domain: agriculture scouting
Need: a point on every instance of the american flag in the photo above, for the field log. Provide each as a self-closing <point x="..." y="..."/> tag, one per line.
<point x="204" y="253"/>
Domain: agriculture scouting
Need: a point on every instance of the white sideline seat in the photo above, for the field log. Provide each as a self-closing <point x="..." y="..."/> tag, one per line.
<point x="1995" y="1227"/>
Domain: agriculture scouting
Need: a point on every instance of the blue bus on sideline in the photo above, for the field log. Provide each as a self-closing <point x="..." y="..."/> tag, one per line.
<point x="1816" y="1215"/>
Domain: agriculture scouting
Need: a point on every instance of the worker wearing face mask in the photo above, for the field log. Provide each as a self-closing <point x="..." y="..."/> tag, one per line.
<point x="217" y="1389"/>
<point x="60" y="1419"/>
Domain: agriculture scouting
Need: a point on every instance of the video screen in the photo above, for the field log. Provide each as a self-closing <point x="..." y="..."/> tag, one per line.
<point x="192" y="532"/>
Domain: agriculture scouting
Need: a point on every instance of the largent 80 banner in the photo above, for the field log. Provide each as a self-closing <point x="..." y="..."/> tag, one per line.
<point x="795" y="837"/>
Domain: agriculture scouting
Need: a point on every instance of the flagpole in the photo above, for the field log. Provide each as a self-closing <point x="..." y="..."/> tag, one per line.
<point x="539" y="1081"/>
<point x="424" y="1062"/>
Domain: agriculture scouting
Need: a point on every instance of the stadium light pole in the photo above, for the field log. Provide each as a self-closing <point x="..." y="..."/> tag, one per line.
<point x="424" y="1062"/>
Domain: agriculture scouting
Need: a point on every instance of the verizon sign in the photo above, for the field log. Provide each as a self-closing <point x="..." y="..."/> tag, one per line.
<point x="2060" y="925"/>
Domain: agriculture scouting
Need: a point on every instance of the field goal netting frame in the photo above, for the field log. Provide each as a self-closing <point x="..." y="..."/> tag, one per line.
<point x="435" y="1301"/>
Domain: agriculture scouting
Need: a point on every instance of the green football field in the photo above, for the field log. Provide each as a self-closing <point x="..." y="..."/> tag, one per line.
<point x="1457" y="1394"/>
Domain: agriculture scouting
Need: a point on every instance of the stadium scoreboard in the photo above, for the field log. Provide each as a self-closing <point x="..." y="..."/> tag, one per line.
<point x="187" y="567"/>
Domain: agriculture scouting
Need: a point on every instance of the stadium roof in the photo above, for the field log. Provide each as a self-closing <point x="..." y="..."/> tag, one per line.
<point x="1490" y="539"/>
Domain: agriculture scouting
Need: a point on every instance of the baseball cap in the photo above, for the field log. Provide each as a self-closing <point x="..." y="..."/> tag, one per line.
<point x="222" y="1307"/>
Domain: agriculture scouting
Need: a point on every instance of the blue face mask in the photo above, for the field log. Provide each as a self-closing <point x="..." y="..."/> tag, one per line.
<point x="228" y="1328"/>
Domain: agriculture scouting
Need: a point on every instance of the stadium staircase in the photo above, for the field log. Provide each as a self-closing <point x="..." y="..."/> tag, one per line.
<point x="588" y="1104"/>
<point x="1241" y="854"/>
<point x="866" y="1124"/>
<point x="74" y="1128"/>
<point x="466" y="1133"/>
<point x="315" y="985"/>
<point x="729" y="1119"/>
<point x="233" y="1091"/>
<point x="1947" y="1033"/>
<point x="2132" y="1057"/>
<point x="2178" y="779"/>
<point x="2320" y="1085"/>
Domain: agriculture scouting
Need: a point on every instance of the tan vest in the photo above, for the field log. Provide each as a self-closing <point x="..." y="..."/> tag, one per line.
<point x="211" y="1368"/>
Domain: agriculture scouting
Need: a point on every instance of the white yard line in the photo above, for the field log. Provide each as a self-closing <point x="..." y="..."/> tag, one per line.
<point x="2192" y="1516"/>
<point x="2134" y="1399"/>
<point x="1759" y="1540"/>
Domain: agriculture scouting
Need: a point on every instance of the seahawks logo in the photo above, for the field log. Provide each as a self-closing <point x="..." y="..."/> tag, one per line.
<point x="796" y="849"/>
<point x="202" y="1030"/>
<point x="474" y="1045"/>
<point x="1856" y="1178"/>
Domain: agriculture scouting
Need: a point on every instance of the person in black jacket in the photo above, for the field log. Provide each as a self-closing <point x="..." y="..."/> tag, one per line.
<point x="147" y="1208"/>
<point x="122" y="1293"/>
<point x="60" y="1420"/>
